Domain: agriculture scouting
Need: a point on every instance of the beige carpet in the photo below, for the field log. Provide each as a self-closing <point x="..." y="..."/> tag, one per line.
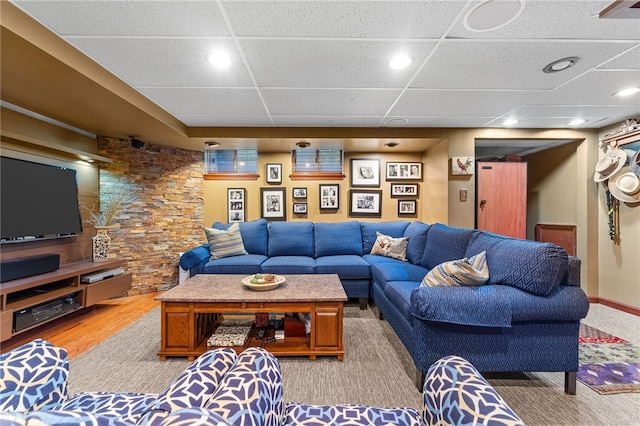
<point x="376" y="371"/>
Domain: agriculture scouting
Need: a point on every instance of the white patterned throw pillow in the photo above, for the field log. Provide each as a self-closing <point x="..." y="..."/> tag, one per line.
<point x="467" y="271"/>
<point x="225" y="242"/>
<point x="395" y="248"/>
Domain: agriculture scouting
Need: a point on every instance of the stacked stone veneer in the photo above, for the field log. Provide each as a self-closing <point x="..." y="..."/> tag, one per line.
<point x="166" y="216"/>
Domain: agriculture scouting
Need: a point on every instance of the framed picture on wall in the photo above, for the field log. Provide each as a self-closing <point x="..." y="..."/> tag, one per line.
<point x="404" y="171"/>
<point x="462" y="166"/>
<point x="365" y="202"/>
<point x="407" y="207"/>
<point x="299" y="193"/>
<point x="274" y="173"/>
<point x="404" y="189"/>
<point x="273" y="203"/>
<point x="299" y="208"/>
<point x="236" y="204"/>
<point x="329" y="197"/>
<point x="365" y="172"/>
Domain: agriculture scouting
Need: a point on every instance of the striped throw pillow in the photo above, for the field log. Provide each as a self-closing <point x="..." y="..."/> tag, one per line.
<point x="225" y="242"/>
<point x="467" y="271"/>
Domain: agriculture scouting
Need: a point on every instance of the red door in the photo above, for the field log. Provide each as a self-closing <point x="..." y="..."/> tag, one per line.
<point x="502" y="198"/>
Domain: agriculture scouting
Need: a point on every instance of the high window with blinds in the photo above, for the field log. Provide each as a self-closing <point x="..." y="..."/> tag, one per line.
<point x="310" y="164"/>
<point x="230" y="164"/>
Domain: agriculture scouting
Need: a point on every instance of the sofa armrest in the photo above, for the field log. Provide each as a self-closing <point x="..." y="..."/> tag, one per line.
<point x="194" y="257"/>
<point x="34" y="377"/>
<point x="455" y="393"/>
<point x="572" y="277"/>
<point x="482" y="306"/>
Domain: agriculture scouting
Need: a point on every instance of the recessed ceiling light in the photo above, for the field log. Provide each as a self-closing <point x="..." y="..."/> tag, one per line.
<point x="400" y="62"/>
<point x="219" y="59"/>
<point x="561" y="64"/>
<point x="576" y="122"/>
<point x="391" y="144"/>
<point x="510" y="122"/>
<point x="628" y="92"/>
<point x="493" y="14"/>
<point x="303" y="144"/>
<point x="212" y="144"/>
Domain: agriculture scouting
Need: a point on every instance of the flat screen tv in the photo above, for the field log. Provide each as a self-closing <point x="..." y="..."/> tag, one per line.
<point x="37" y="201"/>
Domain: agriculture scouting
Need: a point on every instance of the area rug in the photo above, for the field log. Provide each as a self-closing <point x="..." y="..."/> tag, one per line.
<point x="608" y="364"/>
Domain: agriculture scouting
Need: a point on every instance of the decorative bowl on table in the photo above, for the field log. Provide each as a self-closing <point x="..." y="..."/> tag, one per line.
<point x="262" y="282"/>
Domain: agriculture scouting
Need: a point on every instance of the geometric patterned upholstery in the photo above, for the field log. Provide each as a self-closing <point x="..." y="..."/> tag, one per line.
<point x="58" y="417"/>
<point x="193" y="387"/>
<point x="250" y="393"/>
<point x="124" y="406"/>
<point x="455" y="394"/>
<point x="33" y="377"/>
<point x="352" y="415"/>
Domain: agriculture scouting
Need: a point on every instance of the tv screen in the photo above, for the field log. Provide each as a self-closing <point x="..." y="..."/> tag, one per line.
<point x="37" y="201"/>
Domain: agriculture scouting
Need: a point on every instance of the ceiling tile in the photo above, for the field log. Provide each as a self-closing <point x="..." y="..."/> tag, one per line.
<point x="331" y="63"/>
<point x="154" y="62"/>
<point x="508" y="65"/>
<point x="128" y="18"/>
<point x="324" y="121"/>
<point x="452" y="121"/>
<point x="225" y="120"/>
<point x="629" y="60"/>
<point x="342" y="19"/>
<point x="196" y="101"/>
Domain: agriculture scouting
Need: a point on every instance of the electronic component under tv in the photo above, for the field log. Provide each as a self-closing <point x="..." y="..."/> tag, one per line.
<point x="37" y="201"/>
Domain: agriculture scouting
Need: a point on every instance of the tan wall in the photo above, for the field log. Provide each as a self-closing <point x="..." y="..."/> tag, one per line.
<point x="619" y="263"/>
<point x="434" y="195"/>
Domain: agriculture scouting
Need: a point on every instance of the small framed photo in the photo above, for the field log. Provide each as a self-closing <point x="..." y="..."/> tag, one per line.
<point x="404" y="189"/>
<point x="299" y="208"/>
<point x="299" y="193"/>
<point x="404" y="171"/>
<point x="272" y="203"/>
<point x="235" y="204"/>
<point x="407" y="207"/>
<point x="365" y="172"/>
<point x="329" y="197"/>
<point x="365" y="202"/>
<point x="462" y="166"/>
<point x="274" y="173"/>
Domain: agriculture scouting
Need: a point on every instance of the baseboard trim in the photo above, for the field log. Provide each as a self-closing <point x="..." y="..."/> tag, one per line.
<point x="615" y="305"/>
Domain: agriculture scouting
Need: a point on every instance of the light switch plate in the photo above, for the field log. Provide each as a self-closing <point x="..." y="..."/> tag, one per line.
<point x="463" y="194"/>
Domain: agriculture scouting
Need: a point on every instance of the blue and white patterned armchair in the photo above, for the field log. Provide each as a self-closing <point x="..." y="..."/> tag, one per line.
<point x="221" y="388"/>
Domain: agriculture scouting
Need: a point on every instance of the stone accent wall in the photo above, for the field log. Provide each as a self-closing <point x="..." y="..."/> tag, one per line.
<point x="166" y="217"/>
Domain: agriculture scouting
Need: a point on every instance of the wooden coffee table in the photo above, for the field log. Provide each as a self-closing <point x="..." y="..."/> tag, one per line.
<point x="192" y="311"/>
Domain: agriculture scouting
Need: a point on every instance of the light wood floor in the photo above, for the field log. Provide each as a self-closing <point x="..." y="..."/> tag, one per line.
<point x="84" y="329"/>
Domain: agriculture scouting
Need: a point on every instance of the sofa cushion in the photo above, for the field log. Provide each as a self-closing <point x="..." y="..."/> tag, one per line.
<point x="395" y="248"/>
<point x="289" y="265"/>
<point x="247" y="264"/>
<point x="383" y="272"/>
<point x="417" y="234"/>
<point x="254" y="235"/>
<point x="347" y="266"/>
<point x="225" y="242"/>
<point x="399" y="293"/>
<point x="353" y="415"/>
<point x="291" y="239"/>
<point x="338" y="238"/>
<point x="393" y="229"/>
<point x="531" y="266"/>
<point x="467" y="271"/>
<point x="445" y="243"/>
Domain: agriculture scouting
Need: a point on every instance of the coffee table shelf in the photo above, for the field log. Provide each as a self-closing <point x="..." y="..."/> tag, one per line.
<point x="192" y="310"/>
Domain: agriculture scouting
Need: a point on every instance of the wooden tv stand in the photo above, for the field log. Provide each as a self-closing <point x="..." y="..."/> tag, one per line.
<point x="54" y="294"/>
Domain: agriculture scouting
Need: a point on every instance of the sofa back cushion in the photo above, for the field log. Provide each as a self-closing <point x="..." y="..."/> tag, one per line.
<point x="254" y="235"/>
<point x="532" y="266"/>
<point x="338" y="238"/>
<point x="291" y="239"/>
<point x="393" y="229"/>
<point x="417" y="233"/>
<point x="444" y="244"/>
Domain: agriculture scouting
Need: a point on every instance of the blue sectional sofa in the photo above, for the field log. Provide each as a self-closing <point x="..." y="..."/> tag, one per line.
<point x="221" y="388"/>
<point x="526" y="317"/>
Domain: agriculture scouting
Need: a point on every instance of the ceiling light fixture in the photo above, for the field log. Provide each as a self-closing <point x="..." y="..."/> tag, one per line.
<point x="576" y="122"/>
<point x="400" y="62"/>
<point x="212" y="144"/>
<point x="391" y="144"/>
<point x="219" y="59"/>
<point x="510" y="122"/>
<point x="561" y="64"/>
<point x="627" y="92"/>
<point x="303" y="144"/>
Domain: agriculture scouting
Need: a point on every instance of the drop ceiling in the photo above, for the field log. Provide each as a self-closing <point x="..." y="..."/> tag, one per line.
<point x="325" y="64"/>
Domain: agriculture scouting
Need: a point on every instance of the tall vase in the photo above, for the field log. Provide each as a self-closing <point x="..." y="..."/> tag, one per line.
<point x="101" y="244"/>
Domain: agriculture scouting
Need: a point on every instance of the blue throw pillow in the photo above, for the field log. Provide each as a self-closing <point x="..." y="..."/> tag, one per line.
<point x="417" y="233"/>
